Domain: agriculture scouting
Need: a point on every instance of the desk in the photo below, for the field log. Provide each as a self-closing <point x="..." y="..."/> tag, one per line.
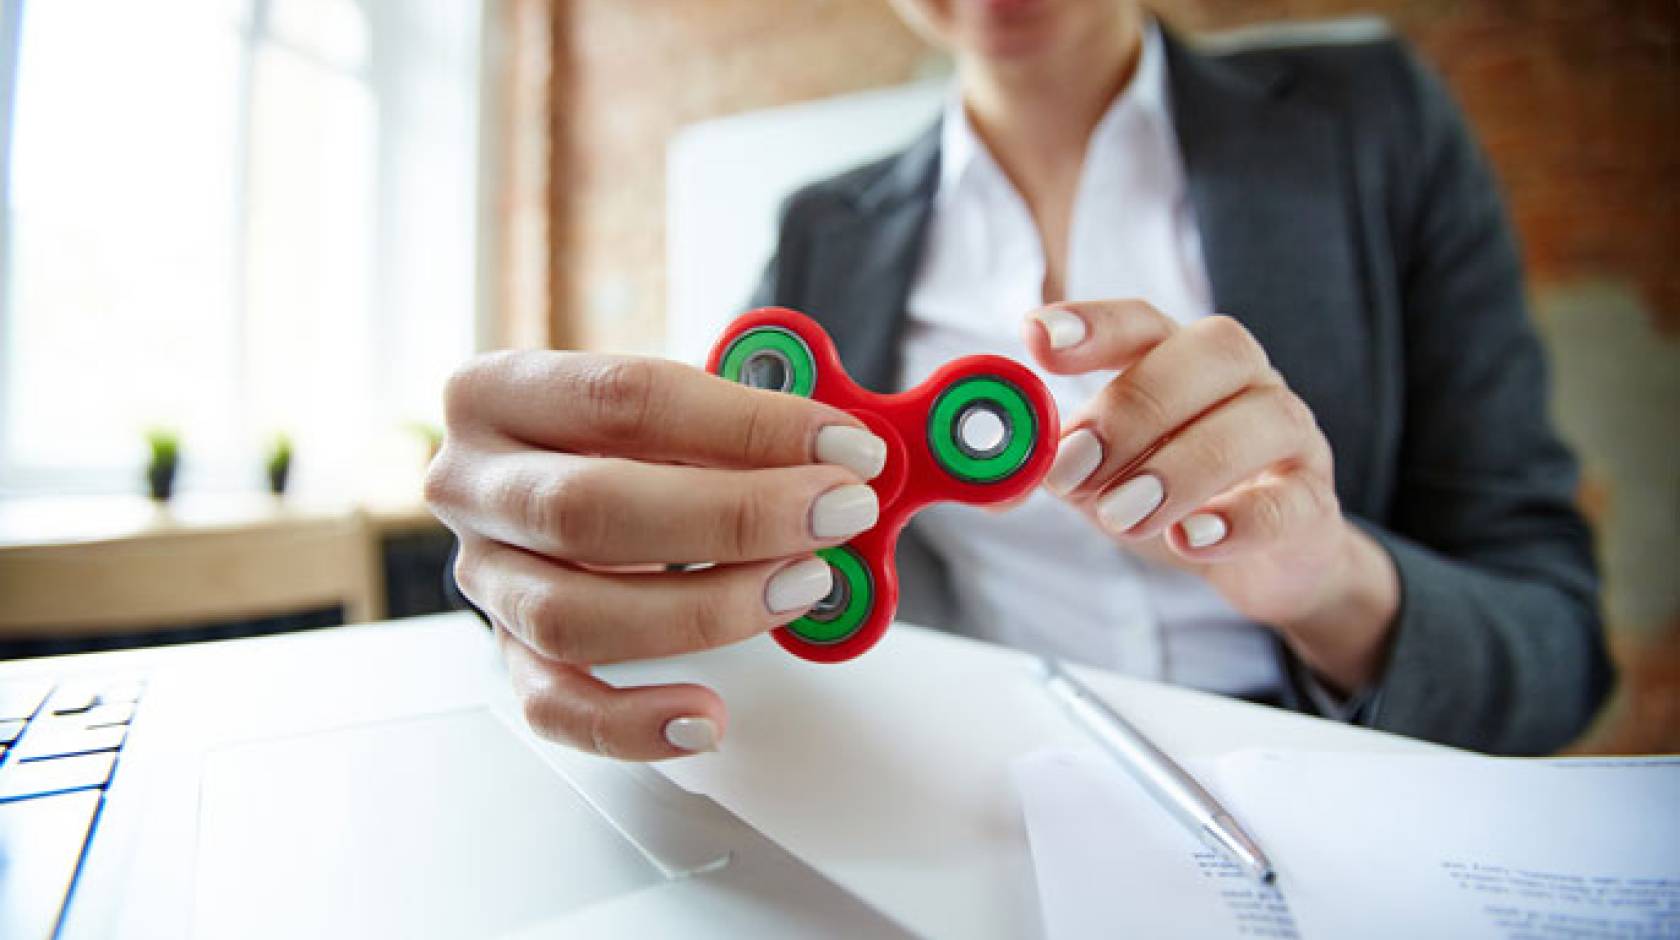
<point x="890" y="773"/>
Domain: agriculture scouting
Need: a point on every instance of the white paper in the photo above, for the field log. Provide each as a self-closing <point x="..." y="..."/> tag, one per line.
<point x="1365" y="846"/>
<point x="1390" y="846"/>
<point x="891" y="772"/>
<point x="1111" y="863"/>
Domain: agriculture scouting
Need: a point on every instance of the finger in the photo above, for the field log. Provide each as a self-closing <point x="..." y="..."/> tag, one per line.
<point x="1189" y="373"/>
<point x="1259" y="430"/>
<point x="608" y="511"/>
<point x="1254" y="517"/>
<point x="565" y="703"/>
<point x="592" y="617"/>
<point x="654" y="409"/>
<point x="1083" y="336"/>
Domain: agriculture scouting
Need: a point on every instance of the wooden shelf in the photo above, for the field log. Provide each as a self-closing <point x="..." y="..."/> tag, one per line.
<point x="100" y="565"/>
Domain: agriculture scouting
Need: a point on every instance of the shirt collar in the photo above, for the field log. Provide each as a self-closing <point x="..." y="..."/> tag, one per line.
<point x="1146" y="94"/>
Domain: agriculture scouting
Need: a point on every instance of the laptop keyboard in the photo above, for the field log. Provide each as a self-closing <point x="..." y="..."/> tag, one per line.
<point x="59" y="744"/>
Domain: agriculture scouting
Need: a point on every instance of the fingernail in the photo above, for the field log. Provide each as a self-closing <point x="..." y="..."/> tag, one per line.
<point x="844" y="511"/>
<point x="1131" y="502"/>
<point x="1064" y="327"/>
<point x="1076" y="459"/>
<point x="853" y="448"/>
<point x="798" y="586"/>
<point x="692" y="734"/>
<point x="1203" y="529"/>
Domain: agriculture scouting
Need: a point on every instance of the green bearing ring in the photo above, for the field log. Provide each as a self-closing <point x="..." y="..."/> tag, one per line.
<point x="982" y="393"/>
<point x="771" y="357"/>
<point x="848" y="603"/>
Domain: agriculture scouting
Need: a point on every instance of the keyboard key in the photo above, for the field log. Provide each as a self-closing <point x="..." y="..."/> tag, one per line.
<point x="83" y="695"/>
<point x="20" y="699"/>
<point x="59" y="737"/>
<point x="73" y="700"/>
<point x="41" y="842"/>
<point x="9" y="731"/>
<point x="19" y="779"/>
<point x="114" y="713"/>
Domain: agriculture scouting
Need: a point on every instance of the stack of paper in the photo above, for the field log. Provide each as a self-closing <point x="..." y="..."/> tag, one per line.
<point x="1365" y="846"/>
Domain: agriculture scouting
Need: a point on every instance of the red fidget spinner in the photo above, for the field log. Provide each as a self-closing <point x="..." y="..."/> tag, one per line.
<point x="980" y="430"/>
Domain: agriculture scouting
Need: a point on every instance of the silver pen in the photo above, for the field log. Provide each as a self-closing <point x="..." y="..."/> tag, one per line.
<point x="1168" y="783"/>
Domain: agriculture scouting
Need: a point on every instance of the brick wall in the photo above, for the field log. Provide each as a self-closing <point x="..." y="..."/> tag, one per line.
<point x="639" y="70"/>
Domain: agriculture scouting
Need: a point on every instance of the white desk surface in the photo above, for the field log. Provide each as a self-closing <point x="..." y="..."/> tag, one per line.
<point x="890" y="773"/>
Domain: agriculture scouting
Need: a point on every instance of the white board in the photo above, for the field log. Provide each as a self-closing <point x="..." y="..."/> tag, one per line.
<point x="726" y="179"/>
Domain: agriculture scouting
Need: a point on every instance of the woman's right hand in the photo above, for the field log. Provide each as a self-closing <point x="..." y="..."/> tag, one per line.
<point x="573" y="480"/>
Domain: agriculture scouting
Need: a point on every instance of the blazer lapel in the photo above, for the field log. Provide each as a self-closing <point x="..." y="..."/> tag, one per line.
<point x="862" y="264"/>
<point x="1270" y="182"/>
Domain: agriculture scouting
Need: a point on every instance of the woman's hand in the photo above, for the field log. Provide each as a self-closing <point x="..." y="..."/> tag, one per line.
<point x="573" y="480"/>
<point x="1200" y="445"/>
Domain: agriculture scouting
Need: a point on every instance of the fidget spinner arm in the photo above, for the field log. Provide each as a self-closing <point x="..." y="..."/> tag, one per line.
<point x="980" y="430"/>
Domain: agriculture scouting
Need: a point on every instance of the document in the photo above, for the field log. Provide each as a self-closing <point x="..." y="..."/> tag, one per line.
<point x="1112" y="863"/>
<point x="1365" y="845"/>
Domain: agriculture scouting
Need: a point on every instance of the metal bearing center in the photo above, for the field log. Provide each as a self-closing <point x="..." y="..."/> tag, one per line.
<point x="982" y="430"/>
<point x="768" y="368"/>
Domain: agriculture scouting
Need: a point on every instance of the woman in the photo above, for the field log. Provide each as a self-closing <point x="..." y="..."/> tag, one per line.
<point x="1343" y="497"/>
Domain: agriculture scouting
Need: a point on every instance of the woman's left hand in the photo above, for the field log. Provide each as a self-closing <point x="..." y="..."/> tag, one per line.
<point x="1199" y="445"/>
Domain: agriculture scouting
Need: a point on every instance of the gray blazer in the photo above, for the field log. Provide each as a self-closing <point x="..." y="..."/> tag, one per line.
<point x="1349" y="220"/>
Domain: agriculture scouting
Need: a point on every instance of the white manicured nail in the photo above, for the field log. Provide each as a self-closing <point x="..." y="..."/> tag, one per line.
<point x="1064" y="327"/>
<point x="844" y="511"/>
<point x="1076" y="459"/>
<point x="853" y="448"/>
<point x="798" y="586"/>
<point x="1131" y="502"/>
<point x="692" y="734"/>
<point x="1203" y="529"/>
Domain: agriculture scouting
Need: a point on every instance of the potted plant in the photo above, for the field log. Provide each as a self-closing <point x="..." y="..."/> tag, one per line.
<point x="165" y="447"/>
<point x="430" y="435"/>
<point x="279" y="464"/>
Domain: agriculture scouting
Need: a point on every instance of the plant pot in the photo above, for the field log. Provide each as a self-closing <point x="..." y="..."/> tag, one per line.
<point x="277" y="476"/>
<point x="160" y="478"/>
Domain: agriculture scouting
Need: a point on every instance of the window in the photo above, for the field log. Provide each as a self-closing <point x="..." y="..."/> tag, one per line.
<point x="234" y="218"/>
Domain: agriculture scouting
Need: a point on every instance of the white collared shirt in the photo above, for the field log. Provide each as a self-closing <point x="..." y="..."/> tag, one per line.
<point x="1040" y="576"/>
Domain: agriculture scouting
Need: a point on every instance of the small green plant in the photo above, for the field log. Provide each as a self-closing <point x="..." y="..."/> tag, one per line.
<point x="431" y="434"/>
<point x="165" y="447"/>
<point x="279" y="463"/>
